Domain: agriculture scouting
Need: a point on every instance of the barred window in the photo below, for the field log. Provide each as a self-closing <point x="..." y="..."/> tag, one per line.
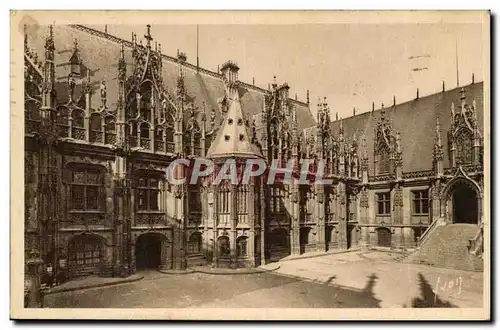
<point x="384" y="203"/>
<point x="87" y="189"/>
<point x="148" y="193"/>
<point x="421" y="202"/>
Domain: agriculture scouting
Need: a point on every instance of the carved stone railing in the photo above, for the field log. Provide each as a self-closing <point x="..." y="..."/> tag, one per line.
<point x="159" y="146"/>
<point x="382" y="177"/>
<point x="110" y="138"/>
<point x="96" y="136"/>
<point x="78" y="133"/>
<point x="85" y="218"/>
<point x="149" y="218"/>
<point x="63" y="130"/>
<point x="418" y="174"/>
<point x="146" y="144"/>
<point x="170" y="146"/>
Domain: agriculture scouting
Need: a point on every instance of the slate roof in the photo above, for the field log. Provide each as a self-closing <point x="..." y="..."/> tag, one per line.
<point x="99" y="52"/>
<point x="416" y="122"/>
<point x="234" y="138"/>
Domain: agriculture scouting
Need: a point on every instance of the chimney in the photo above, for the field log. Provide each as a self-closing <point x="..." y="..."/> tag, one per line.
<point x="181" y="56"/>
<point x="230" y="71"/>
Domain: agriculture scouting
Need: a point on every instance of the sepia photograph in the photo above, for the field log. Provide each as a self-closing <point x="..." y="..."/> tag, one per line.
<point x="241" y="165"/>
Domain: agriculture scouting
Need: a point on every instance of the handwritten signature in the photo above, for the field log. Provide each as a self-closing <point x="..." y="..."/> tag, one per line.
<point x="448" y="286"/>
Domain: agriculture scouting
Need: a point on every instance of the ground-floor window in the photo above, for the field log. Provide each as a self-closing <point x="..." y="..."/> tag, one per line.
<point x="84" y="250"/>
<point x="194" y="243"/>
<point x="241" y="246"/>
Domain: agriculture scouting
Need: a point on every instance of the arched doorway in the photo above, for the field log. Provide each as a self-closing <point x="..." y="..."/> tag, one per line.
<point x="148" y="251"/>
<point x="384" y="237"/>
<point x="464" y="204"/>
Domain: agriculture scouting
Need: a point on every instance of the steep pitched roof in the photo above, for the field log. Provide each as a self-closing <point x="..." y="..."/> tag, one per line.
<point x="234" y="138"/>
<point x="416" y="121"/>
<point x="99" y="53"/>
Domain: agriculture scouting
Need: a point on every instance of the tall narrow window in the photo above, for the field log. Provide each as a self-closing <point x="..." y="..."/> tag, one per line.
<point x="421" y="202"/>
<point x="384" y="203"/>
<point x="464" y="147"/>
<point x="194" y="198"/>
<point x="194" y="244"/>
<point x="224" y="199"/>
<point x="148" y="192"/>
<point x="241" y="246"/>
<point x="383" y="162"/>
<point x="86" y="189"/>
<point x="276" y="202"/>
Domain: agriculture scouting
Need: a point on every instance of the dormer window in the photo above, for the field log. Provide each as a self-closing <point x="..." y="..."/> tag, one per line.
<point x="226" y="138"/>
<point x="242" y="137"/>
<point x="240" y="121"/>
<point x="230" y="121"/>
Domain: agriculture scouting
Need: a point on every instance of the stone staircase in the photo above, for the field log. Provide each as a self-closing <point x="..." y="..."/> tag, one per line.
<point x="449" y="247"/>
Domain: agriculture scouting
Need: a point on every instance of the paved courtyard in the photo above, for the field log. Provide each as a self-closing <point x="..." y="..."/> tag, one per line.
<point x="354" y="279"/>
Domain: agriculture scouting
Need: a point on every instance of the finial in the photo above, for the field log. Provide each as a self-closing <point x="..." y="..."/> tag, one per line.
<point x="373" y="106"/>
<point x="417" y="93"/>
<point x="382" y="105"/>
<point x="394" y="100"/>
<point x="443" y="87"/>
<point x="159" y="48"/>
<point x="51" y="31"/>
<point x="307" y="97"/>
<point x="122" y="51"/>
<point x="75" y="44"/>
<point x="295" y="96"/>
<point x="354" y="111"/>
<point x="438" y="133"/>
<point x="106" y="28"/>
<point x="341" y="126"/>
<point x="472" y="77"/>
<point x="253" y="81"/>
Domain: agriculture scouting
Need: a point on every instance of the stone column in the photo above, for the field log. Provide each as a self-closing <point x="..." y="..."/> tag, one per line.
<point x="33" y="267"/>
<point x="295" y="227"/>
<point x="234" y="222"/>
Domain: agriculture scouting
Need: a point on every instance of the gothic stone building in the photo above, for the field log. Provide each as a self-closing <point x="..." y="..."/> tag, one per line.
<point x="104" y="118"/>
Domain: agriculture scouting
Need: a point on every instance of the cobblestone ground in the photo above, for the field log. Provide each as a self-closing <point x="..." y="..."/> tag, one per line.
<point x="350" y="280"/>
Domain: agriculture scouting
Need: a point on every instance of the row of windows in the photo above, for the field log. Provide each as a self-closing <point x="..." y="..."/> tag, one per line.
<point x="420" y="203"/>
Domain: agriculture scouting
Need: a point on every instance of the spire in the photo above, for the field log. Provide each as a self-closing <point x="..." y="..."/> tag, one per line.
<point x="438" y="133"/>
<point x="341" y="131"/>
<point x="472" y="77"/>
<point x="443" y="87"/>
<point x="307" y="97"/>
<point x="438" y="145"/>
<point x="373" y="106"/>
<point x="234" y="138"/>
<point x="148" y="37"/>
<point x="336" y="116"/>
<point x="394" y="100"/>
<point x="354" y="111"/>
<point x="418" y="93"/>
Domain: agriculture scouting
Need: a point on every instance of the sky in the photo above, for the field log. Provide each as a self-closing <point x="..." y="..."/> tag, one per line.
<point x="352" y="65"/>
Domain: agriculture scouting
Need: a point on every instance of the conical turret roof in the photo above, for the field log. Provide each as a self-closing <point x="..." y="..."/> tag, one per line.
<point x="234" y="138"/>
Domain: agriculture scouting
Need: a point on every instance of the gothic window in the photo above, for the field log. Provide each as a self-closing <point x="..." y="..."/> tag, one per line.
<point x="95" y="128"/>
<point x="383" y="160"/>
<point x="276" y="201"/>
<point x="420" y="202"/>
<point x="384" y="203"/>
<point x="242" y="199"/>
<point x="224" y="247"/>
<point x="110" y="130"/>
<point x="87" y="189"/>
<point x="78" y="118"/>
<point x="195" y="243"/>
<point x="464" y="147"/>
<point x="84" y="250"/>
<point x="147" y="193"/>
<point x="241" y="246"/>
<point x="224" y="195"/>
<point x="194" y="198"/>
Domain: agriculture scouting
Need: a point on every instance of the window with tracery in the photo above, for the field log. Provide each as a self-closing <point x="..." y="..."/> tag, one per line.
<point x="383" y="159"/>
<point x="242" y="199"/>
<point x="420" y="202"/>
<point x="464" y="147"/>
<point x="276" y="201"/>
<point x="224" y="197"/>
<point x="87" y="189"/>
<point x="148" y="193"/>
<point x="384" y="203"/>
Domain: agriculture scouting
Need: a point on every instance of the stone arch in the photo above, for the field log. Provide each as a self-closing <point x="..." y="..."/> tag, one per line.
<point x="461" y="194"/>
<point x="242" y="246"/>
<point x="195" y="243"/>
<point x="223" y="247"/>
<point x="152" y="251"/>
